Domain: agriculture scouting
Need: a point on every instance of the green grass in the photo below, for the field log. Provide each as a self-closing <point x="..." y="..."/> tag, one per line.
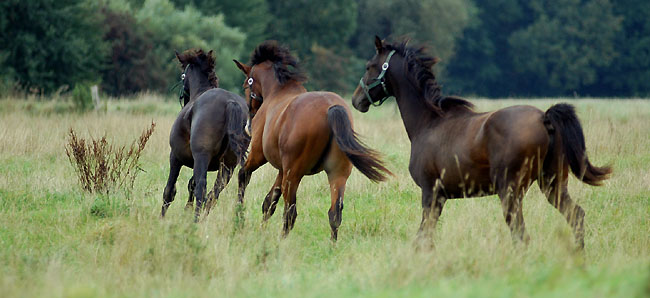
<point x="56" y="241"/>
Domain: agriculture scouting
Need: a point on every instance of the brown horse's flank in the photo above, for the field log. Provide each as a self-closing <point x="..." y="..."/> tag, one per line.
<point x="457" y="152"/>
<point x="299" y="133"/>
<point x="208" y="134"/>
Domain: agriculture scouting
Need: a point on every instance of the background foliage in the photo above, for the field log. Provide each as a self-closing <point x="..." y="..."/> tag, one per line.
<point x="489" y="48"/>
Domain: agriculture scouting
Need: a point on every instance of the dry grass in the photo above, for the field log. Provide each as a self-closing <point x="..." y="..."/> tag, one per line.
<point x="51" y="244"/>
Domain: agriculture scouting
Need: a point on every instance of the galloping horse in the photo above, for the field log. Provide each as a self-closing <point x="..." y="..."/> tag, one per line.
<point x="457" y="153"/>
<point x="300" y="133"/>
<point x="208" y="134"/>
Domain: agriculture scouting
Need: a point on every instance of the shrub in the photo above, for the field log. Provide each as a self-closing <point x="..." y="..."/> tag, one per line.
<point x="102" y="167"/>
<point x="81" y="97"/>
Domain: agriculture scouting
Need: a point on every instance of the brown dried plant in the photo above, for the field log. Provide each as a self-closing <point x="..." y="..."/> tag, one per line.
<point x="102" y="167"/>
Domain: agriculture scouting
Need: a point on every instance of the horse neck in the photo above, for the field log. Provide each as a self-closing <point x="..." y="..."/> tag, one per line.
<point x="416" y="115"/>
<point x="199" y="83"/>
<point x="274" y="92"/>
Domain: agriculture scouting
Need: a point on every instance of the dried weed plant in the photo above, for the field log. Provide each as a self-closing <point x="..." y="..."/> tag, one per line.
<point x="103" y="167"/>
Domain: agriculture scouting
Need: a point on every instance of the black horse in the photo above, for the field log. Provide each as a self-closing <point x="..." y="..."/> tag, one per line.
<point x="457" y="152"/>
<point x="208" y="134"/>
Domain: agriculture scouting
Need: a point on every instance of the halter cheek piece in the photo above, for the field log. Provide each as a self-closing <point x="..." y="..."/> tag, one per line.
<point x="379" y="80"/>
<point x="182" y="93"/>
<point x="250" y="87"/>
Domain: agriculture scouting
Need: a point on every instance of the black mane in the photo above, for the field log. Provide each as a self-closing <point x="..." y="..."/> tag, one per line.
<point x="282" y="60"/>
<point x="419" y="71"/>
<point x="205" y="61"/>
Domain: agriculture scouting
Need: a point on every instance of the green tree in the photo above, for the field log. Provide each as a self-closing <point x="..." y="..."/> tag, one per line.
<point x="562" y="51"/>
<point x="131" y="66"/>
<point x="251" y="17"/>
<point x="172" y="29"/>
<point x="302" y="24"/>
<point x="436" y="23"/>
<point x="48" y="44"/>
<point x="482" y="63"/>
<point x="629" y="73"/>
<point x="317" y="31"/>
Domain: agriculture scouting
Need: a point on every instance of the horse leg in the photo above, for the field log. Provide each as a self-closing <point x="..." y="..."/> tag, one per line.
<point x="557" y="195"/>
<point x="511" y="194"/>
<point x="170" y="189"/>
<point x="432" y="205"/>
<point x="190" y="188"/>
<point x="335" y="213"/>
<point x="225" y="173"/>
<point x="290" y="184"/>
<point x="201" y="161"/>
<point x="271" y="199"/>
<point x="253" y="162"/>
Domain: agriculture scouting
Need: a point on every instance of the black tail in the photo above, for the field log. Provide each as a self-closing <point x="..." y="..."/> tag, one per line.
<point x="237" y="137"/>
<point x="563" y="119"/>
<point x="364" y="159"/>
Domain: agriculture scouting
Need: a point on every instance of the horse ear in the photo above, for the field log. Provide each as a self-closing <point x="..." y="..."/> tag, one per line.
<point x="178" y="56"/>
<point x="245" y="69"/>
<point x="378" y="44"/>
<point x="211" y="53"/>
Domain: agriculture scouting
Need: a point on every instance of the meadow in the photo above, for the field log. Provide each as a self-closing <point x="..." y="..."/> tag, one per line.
<point x="57" y="241"/>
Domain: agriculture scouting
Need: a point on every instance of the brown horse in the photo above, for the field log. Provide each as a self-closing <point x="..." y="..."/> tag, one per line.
<point x="208" y="134"/>
<point x="300" y="133"/>
<point x="457" y="153"/>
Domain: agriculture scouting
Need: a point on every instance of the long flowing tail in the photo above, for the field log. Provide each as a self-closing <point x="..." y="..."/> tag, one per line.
<point x="238" y="140"/>
<point x="563" y="119"/>
<point x="363" y="158"/>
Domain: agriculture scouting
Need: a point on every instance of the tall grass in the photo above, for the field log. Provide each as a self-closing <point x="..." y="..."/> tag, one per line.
<point x="52" y="245"/>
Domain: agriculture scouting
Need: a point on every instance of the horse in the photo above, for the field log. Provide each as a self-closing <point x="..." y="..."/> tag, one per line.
<point x="299" y="133"/>
<point x="208" y="134"/>
<point x="457" y="152"/>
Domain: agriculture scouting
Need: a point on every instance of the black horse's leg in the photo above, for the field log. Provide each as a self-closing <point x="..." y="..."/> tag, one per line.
<point x="225" y="172"/>
<point x="271" y="199"/>
<point x="190" y="188"/>
<point x="432" y="205"/>
<point x="253" y="162"/>
<point x="558" y="196"/>
<point x="170" y="189"/>
<point x="201" y="161"/>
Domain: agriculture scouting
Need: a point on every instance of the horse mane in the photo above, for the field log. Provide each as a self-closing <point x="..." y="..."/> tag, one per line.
<point x="419" y="65"/>
<point x="205" y="61"/>
<point x="285" y="65"/>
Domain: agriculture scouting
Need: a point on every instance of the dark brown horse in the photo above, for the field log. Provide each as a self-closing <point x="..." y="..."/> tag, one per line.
<point x="300" y="133"/>
<point x="457" y="152"/>
<point x="208" y="134"/>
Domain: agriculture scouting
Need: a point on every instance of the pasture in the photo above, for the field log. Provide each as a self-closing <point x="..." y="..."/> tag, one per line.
<point x="57" y="241"/>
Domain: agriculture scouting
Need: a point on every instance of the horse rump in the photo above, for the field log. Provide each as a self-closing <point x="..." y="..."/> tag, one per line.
<point x="238" y="139"/>
<point x="564" y="121"/>
<point x="363" y="158"/>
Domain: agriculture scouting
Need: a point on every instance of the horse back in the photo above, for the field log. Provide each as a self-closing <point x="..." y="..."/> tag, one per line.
<point x="464" y="150"/>
<point x="300" y="130"/>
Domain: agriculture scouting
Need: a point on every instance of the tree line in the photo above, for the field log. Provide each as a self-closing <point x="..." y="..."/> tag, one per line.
<point x="495" y="48"/>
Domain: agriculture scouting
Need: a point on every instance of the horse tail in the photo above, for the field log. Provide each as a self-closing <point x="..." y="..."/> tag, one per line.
<point x="363" y="158"/>
<point x="565" y="125"/>
<point x="238" y="140"/>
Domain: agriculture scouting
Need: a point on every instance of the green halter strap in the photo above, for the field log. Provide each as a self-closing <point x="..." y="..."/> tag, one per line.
<point x="380" y="80"/>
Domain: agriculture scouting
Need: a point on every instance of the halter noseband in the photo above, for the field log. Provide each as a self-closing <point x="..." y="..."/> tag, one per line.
<point x="380" y="80"/>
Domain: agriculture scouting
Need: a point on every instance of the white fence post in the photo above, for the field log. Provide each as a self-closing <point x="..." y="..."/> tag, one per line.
<point x="95" y="93"/>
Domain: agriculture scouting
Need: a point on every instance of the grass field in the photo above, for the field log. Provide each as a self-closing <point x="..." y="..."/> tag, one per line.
<point x="52" y="245"/>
